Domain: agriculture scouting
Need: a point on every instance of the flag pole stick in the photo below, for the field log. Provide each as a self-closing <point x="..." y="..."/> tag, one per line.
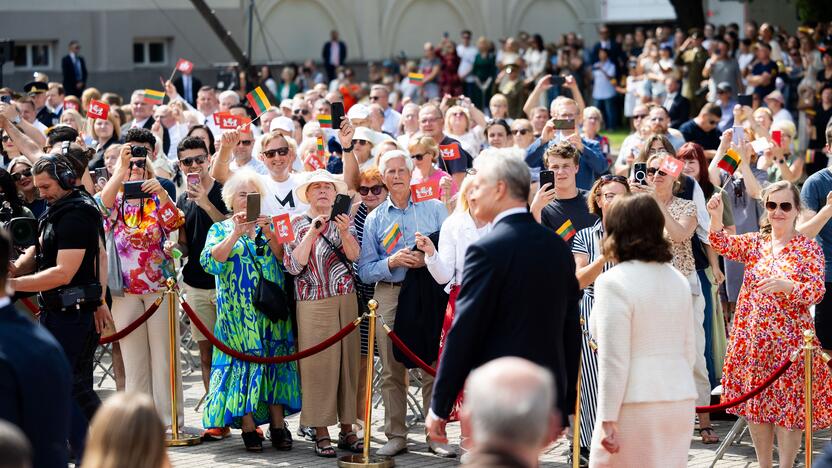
<point x="172" y="74"/>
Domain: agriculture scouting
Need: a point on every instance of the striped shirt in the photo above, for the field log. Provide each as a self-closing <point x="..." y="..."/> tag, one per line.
<point x="324" y="274"/>
<point x="366" y="290"/>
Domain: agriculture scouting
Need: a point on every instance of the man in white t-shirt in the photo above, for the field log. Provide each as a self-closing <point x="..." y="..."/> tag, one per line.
<point x="467" y="53"/>
<point x="280" y="183"/>
<point x="777" y="105"/>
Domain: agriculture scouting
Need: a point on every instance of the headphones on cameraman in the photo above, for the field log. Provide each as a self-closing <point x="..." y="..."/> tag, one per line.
<point x="60" y="170"/>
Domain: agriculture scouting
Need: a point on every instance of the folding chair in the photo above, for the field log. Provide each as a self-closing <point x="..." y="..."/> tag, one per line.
<point x="103" y="359"/>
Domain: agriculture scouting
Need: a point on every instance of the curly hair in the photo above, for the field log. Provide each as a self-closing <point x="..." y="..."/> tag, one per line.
<point x="564" y="150"/>
<point x="634" y="226"/>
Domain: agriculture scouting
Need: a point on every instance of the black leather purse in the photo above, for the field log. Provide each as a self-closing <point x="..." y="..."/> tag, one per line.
<point x="269" y="298"/>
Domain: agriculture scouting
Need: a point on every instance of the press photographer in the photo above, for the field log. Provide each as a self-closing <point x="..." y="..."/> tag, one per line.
<point x="64" y="267"/>
<point x="18" y="220"/>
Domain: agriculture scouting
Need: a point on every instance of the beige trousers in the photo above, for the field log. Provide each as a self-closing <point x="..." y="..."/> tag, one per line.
<point x="393" y="376"/>
<point x="700" y="369"/>
<point x="146" y="352"/>
<point x="329" y="379"/>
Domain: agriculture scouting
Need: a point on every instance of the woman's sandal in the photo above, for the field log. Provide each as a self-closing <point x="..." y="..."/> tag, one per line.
<point x="708" y="435"/>
<point x="281" y="438"/>
<point x="325" y="452"/>
<point x="356" y="446"/>
<point x="252" y="441"/>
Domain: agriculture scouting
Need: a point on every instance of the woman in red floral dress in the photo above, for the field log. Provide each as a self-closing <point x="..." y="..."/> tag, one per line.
<point x="784" y="276"/>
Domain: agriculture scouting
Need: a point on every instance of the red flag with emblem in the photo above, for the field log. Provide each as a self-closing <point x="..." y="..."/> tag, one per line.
<point x="184" y="66"/>
<point x="450" y="152"/>
<point x="283" y="228"/>
<point x="427" y="190"/>
<point x="672" y="166"/>
<point x="98" y="110"/>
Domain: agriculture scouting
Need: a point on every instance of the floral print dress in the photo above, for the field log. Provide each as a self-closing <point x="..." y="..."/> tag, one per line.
<point x="237" y="387"/>
<point x="769" y="327"/>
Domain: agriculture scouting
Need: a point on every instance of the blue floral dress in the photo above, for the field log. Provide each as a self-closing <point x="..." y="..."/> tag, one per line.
<point x="237" y="387"/>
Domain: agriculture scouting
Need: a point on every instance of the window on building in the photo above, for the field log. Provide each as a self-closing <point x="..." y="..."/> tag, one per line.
<point x="33" y="55"/>
<point x="149" y="52"/>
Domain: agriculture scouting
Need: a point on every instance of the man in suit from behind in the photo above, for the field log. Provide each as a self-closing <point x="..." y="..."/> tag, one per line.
<point x="188" y="87"/>
<point x="334" y="54"/>
<point x="519" y="294"/>
<point x="35" y="379"/>
<point x="677" y="105"/>
<point x="74" y="69"/>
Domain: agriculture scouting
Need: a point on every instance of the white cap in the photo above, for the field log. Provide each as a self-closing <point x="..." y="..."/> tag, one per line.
<point x="287" y="103"/>
<point x="358" y="111"/>
<point x="282" y="123"/>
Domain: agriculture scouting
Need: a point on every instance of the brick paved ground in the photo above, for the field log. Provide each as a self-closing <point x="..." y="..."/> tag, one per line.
<point x="230" y="452"/>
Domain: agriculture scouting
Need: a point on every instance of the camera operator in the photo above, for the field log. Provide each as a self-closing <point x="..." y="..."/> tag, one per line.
<point x="65" y="268"/>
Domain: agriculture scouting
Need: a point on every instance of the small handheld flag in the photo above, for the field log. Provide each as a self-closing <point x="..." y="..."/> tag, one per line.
<point x="391" y="238"/>
<point x="283" y="228"/>
<point x="672" y="166"/>
<point x="184" y="66"/>
<point x="325" y="120"/>
<point x="320" y="141"/>
<point x="69" y="104"/>
<point x="98" y="110"/>
<point x="228" y="121"/>
<point x="428" y="190"/>
<point x="258" y="100"/>
<point x="729" y="162"/>
<point x="153" y="97"/>
<point x="416" y="79"/>
<point x="810" y="156"/>
<point x="566" y="230"/>
<point x="450" y="152"/>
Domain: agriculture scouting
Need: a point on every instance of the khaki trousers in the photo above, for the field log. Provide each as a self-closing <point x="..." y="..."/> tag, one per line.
<point x="393" y="375"/>
<point x="146" y="352"/>
<point x="329" y="379"/>
<point x="700" y="369"/>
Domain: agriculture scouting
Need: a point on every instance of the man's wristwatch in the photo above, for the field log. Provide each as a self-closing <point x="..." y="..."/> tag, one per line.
<point x="349" y="148"/>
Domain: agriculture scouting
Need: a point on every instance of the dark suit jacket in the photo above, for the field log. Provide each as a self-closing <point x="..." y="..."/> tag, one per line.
<point x="679" y="111"/>
<point x="71" y="77"/>
<point x="519" y="297"/>
<point x="180" y="88"/>
<point x="35" y="386"/>
<point x="342" y="52"/>
<point x="148" y="125"/>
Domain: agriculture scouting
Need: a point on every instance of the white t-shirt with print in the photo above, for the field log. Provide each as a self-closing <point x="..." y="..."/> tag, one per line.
<point x="282" y="197"/>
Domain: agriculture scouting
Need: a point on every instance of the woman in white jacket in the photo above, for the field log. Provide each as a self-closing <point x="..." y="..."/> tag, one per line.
<point x="459" y="231"/>
<point x="643" y="323"/>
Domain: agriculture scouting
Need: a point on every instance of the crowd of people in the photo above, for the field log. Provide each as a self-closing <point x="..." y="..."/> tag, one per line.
<point x="475" y="196"/>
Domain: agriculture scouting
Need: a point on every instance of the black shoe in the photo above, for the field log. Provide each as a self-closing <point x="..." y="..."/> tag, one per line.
<point x="281" y="437"/>
<point x="252" y="441"/>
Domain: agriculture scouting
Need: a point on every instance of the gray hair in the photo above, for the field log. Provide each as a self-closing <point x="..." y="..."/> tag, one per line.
<point x="510" y="400"/>
<point x="390" y="155"/>
<point x="230" y="93"/>
<point x="507" y="165"/>
<point x="232" y="186"/>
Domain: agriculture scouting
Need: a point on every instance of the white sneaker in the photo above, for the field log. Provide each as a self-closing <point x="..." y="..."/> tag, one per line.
<point x="440" y="450"/>
<point x="393" y="447"/>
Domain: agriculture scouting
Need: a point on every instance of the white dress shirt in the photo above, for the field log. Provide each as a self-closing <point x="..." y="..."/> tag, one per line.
<point x="458" y="232"/>
<point x="508" y="212"/>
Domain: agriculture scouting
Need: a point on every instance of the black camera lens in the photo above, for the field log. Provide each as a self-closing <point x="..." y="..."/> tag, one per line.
<point x="23" y="231"/>
<point x="138" y="152"/>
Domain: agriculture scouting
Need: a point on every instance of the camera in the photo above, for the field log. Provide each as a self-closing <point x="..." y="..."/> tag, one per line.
<point x="23" y="231"/>
<point x="138" y="152"/>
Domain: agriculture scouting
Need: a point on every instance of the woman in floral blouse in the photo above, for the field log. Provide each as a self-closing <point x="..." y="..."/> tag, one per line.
<point x="783" y="278"/>
<point x="140" y="227"/>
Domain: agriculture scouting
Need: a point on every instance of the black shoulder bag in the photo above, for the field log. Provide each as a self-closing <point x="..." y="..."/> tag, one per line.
<point x="269" y="298"/>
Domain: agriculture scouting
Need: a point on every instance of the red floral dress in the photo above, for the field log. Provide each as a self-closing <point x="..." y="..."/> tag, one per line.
<point x="769" y="327"/>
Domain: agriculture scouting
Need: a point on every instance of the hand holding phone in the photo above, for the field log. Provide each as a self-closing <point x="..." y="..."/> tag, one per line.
<point x="640" y="173"/>
<point x="337" y="112"/>
<point x="547" y="177"/>
<point x="252" y="207"/>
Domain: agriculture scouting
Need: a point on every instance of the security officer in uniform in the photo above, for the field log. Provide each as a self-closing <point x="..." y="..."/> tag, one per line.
<point x="37" y="91"/>
<point x="64" y="267"/>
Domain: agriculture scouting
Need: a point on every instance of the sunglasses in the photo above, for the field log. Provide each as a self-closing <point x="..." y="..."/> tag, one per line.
<point x="187" y="162"/>
<point x="301" y="111"/>
<point x="272" y="152"/>
<point x="19" y="175"/>
<point x="458" y="114"/>
<point x="614" y="178"/>
<point x="655" y="171"/>
<point x="140" y="163"/>
<point x="418" y="156"/>
<point x="361" y="142"/>
<point x="785" y="206"/>
<point x="376" y="189"/>
<point x="6" y="138"/>
<point x="375" y="98"/>
<point x="245" y="142"/>
<point x="638" y="117"/>
<point x="521" y="131"/>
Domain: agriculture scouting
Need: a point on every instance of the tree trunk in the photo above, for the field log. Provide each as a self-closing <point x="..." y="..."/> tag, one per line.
<point x="689" y="13"/>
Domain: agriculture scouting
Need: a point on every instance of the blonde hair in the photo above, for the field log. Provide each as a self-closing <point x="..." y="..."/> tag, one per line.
<point x="426" y="142"/>
<point x="126" y="433"/>
<point x="113" y="118"/>
<point x="454" y="109"/>
<point x="88" y="95"/>
<point x="462" y="204"/>
<point x="240" y="178"/>
<point x="76" y="117"/>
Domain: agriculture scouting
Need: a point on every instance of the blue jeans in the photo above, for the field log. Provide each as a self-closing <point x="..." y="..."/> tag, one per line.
<point x="707" y="324"/>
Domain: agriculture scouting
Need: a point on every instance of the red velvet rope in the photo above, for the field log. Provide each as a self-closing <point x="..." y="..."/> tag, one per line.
<point x="259" y="359"/>
<point x="410" y="354"/>
<point x="129" y="328"/>
<point x="742" y="398"/>
<point x="35" y="310"/>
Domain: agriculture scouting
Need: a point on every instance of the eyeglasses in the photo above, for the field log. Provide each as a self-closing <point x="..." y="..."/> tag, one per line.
<point x="428" y="120"/>
<point x="521" y="131"/>
<point x="245" y="142"/>
<point x="375" y="98"/>
<point x="6" y="138"/>
<point x="272" y="152"/>
<point x="655" y="171"/>
<point x="361" y="142"/>
<point x="187" y="162"/>
<point x="458" y="114"/>
<point x="19" y="175"/>
<point x="301" y="111"/>
<point x="785" y="206"/>
<point x="639" y="117"/>
<point x="614" y="178"/>
<point x="661" y="151"/>
<point x="419" y="156"/>
<point x="376" y="189"/>
<point x="140" y="163"/>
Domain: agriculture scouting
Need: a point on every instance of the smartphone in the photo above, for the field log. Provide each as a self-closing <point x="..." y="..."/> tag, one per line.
<point x="252" y="207"/>
<point x="133" y="189"/>
<point x="547" y="177"/>
<point x="193" y="179"/>
<point x="745" y="100"/>
<point x="561" y="124"/>
<point x="341" y="206"/>
<point x="101" y="173"/>
<point x="640" y="173"/>
<point x="558" y="80"/>
<point x="739" y="133"/>
<point x="452" y="101"/>
<point x="336" y="113"/>
<point x="777" y="137"/>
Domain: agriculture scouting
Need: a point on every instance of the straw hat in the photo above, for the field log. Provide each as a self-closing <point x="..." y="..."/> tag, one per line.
<point x="320" y="175"/>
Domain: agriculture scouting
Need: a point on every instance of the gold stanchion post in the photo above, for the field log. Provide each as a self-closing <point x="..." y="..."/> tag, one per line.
<point x="175" y="439"/>
<point x="365" y="459"/>
<point x="808" y="354"/>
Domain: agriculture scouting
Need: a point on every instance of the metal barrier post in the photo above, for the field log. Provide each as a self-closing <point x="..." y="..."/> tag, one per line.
<point x="175" y="439"/>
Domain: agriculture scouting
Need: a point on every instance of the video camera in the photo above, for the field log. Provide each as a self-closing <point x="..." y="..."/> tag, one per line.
<point x="22" y="230"/>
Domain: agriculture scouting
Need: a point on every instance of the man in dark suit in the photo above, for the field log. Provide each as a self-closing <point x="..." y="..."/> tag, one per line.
<point x="74" y="68"/>
<point x="519" y="294"/>
<point x="187" y="86"/>
<point x="35" y="379"/>
<point x="677" y="105"/>
<point x="334" y="54"/>
<point x="143" y="118"/>
<point x="606" y="42"/>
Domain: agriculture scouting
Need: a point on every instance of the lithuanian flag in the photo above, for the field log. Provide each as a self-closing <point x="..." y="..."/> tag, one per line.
<point x="320" y="146"/>
<point x="729" y="161"/>
<point x="258" y="100"/>
<point x="151" y="96"/>
<point x="392" y="238"/>
<point x="416" y="78"/>
<point x="810" y="156"/>
<point x="325" y="120"/>
<point x="566" y="230"/>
